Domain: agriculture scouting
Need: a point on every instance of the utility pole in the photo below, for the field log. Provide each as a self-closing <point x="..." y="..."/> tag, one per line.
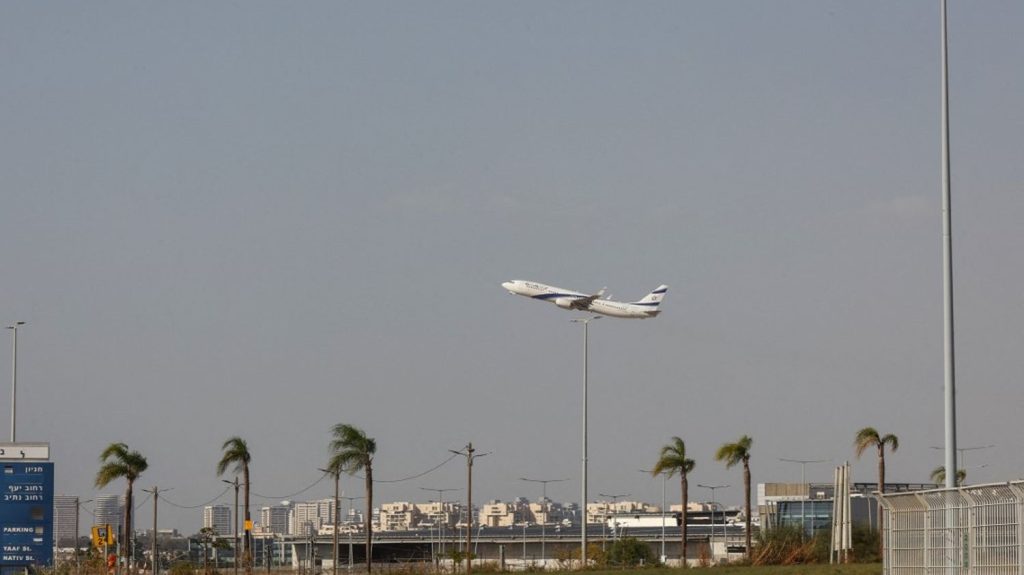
<point x="156" y="497"/>
<point x="468" y="453"/>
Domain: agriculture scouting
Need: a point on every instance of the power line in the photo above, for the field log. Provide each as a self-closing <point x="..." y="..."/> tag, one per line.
<point x="418" y="475"/>
<point x="205" y="503"/>
<point x="290" y="495"/>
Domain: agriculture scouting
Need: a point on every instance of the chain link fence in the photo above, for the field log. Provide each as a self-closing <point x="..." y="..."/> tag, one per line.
<point x="976" y="530"/>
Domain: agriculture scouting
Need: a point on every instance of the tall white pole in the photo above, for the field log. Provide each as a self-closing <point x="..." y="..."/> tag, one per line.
<point x="947" y="271"/>
<point x="14" y="380"/>
<point x="663" y="517"/>
<point x="583" y="496"/>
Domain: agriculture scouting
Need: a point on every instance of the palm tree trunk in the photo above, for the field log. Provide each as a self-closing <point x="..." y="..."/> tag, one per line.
<point x="247" y="540"/>
<point x="881" y="489"/>
<point x="369" y="517"/>
<point x="746" y="503"/>
<point x="126" y="544"/>
<point x="334" y="543"/>
<point x="685" y="487"/>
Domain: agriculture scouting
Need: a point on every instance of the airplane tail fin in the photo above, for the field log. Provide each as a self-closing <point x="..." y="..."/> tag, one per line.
<point x="654" y="298"/>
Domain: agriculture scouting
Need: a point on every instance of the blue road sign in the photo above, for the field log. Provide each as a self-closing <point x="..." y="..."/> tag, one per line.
<point x="26" y="515"/>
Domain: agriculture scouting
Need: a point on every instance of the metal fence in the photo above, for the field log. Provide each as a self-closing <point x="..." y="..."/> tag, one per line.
<point x="976" y="530"/>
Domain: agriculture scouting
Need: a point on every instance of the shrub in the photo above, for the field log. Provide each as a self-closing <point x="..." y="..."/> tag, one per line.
<point x="629" y="551"/>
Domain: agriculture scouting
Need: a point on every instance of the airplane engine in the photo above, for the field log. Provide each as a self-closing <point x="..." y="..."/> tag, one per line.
<point x="564" y="302"/>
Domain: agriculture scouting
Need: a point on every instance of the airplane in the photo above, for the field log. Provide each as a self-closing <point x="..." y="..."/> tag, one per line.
<point x="567" y="299"/>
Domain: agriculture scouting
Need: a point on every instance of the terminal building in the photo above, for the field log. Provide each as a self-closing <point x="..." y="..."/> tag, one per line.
<point x="810" y="504"/>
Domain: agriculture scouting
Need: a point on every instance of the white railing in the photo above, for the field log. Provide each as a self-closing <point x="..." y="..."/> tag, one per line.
<point x="976" y="530"/>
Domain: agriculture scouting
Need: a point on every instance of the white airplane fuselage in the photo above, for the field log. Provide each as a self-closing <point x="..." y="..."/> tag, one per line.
<point x="574" y="300"/>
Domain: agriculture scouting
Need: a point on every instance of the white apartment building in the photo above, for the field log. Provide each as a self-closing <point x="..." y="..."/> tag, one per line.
<point x="435" y="513"/>
<point x="109" y="510"/>
<point x="218" y="518"/>
<point x="546" y="512"/>
<point x="504" y="514"/>
<point x="598" y="511"/>
<point x="274" y="519"/>
<point x="309" y="516"/>
<point x="399" y="516"/>
<point x="65" y="519"/>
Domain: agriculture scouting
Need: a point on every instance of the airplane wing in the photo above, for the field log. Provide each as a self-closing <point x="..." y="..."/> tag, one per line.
<point x="583" y="303"/>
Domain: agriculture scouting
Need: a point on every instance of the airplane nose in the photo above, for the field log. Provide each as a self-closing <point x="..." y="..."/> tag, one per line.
<point x="507" y="285"/>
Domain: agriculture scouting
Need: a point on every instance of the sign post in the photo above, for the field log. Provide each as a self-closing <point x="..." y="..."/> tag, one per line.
<point x="26" y="507"/>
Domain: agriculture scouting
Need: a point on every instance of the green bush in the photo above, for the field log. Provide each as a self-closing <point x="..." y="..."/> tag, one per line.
<point x="180" y="568"/>
<point x="629" y="552"/>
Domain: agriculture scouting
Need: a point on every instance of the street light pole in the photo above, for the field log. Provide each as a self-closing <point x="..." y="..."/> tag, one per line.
<point x="713" y="504"/>
<point x="614" y="498"/>
<point x="235" y="527"/>
<point x="337" y="511"/>
<point x="444" y="516"/>
<point x="14" y="379"/>
<point x="963" y="452"/>
<point x="583" y="504"/>
<point x="803" y="484"/>
<point x="663" y="477"/>
<point x="350" y="500"/>
<point x="947" y="275"/>
<point x="544" y="506"/>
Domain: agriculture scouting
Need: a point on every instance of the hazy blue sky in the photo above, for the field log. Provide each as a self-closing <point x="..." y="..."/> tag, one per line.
<point x="265" y="218"/>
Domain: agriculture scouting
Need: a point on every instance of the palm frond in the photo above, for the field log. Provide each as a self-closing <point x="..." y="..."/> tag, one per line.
<point x="235" y="452"/>
<point x="867" y="437"/>
<point x="119" y="463"/>
<point x="892" y="441"/>
<point x="350" y="449"/>
<point x="673" y="459"/>
<point x="734" y="453"/>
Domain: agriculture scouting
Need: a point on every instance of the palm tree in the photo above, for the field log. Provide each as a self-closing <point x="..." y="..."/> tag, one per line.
<point x="236" y="453"/>
<point x="939" y="476"/>
<point x="118" y="462"/>
<point x="731" y="454"/>
<point x="671" y="461"/>
<point x="869" y="437"/>
<point x="352" y="451"/>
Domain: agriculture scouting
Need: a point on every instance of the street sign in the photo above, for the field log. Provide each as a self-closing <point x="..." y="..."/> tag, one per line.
<point x="24" y="451"/>
<point x="26" y="515"/>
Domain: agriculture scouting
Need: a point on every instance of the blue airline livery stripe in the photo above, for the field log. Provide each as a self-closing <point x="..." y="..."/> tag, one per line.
<point x="555" y="295"/>
<point x="662" y="290"/>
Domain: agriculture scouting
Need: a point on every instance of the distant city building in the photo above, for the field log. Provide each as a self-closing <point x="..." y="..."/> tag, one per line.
<point x="65" y="509"/>
<point x="218" y="518"/>
<point x="274" y="519"/>
<point x="691" y="507"/>
<point x="310" y="516"/>
<point x="498" y="513"/>
<point x="399" y="516"/>
<point x="599" y="511"/>
<point x="439" y="515"/>
<point x="109" y="510"/>
<point x="546" y="512"/>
